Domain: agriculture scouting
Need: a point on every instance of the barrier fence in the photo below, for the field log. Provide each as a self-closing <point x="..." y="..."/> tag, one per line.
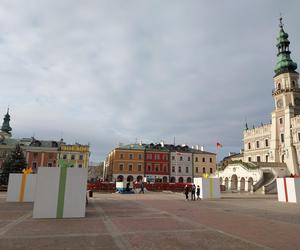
<point x="157" y="186"/>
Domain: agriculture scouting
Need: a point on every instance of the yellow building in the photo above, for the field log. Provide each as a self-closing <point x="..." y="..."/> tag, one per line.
<point x="126" y="163"/>
<point x="75" y="153"/>
<point x="203" y="162"/>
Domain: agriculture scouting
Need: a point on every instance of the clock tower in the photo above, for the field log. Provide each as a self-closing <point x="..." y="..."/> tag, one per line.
<point x="286" y="96"/>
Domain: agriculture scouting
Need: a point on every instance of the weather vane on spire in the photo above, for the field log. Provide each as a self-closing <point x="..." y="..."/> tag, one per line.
<point x="280" y="21"/>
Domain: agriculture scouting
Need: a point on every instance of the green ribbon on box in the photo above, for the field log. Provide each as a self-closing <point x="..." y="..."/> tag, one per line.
<point x="63" y="165"/>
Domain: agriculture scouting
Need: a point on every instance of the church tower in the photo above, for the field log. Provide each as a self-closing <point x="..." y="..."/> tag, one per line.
<point x="286" y="96"/>
<point x="6" y="129"/>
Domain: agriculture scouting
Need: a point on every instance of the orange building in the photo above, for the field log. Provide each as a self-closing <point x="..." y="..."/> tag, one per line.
<point x="126" y="163"/>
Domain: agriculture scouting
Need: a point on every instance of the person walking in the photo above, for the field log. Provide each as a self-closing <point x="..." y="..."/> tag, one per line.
<point x="186" y="192"/>
<point x="142" y="188"/>
<point x="198" y="193"/>
<point x="193" y="192"/>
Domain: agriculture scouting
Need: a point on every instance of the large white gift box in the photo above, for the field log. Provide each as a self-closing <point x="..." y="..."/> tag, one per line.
<point x="288" y="189"/>
<point x="60" y="192"/>
<point x="209" y="187"/>
<point x="21" y="187"/>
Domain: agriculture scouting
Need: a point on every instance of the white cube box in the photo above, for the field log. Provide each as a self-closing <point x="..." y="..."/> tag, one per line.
<point x="209" y="187"/>
<point x="60" y="192"/>
<point x="288" y="189"/>
<point x="21" y="187"/>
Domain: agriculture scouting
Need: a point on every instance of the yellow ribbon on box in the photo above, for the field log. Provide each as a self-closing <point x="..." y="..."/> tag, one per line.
<point x="25" y="171"/>
<point x="205" y="175"/>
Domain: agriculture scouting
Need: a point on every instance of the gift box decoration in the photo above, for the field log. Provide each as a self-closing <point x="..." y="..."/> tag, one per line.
<point x="209" y="187"/>
<point x="21" y="187"/>
<point x="60" y="192"/>
<point x="288" y="189"/>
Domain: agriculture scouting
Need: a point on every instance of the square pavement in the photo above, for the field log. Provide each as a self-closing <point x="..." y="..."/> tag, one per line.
<point x="157" y="221"/>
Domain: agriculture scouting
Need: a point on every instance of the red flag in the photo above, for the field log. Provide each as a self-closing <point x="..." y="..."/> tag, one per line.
<point x="219" y="145"/>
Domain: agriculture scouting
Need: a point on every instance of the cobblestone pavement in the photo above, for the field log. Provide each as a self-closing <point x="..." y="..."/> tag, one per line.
<point x="157" y="221"/>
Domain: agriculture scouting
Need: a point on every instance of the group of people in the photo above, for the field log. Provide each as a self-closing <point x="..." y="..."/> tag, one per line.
<point x="194" y="191"/>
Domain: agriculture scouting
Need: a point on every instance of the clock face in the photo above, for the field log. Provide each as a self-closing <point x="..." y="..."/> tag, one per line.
<point x="279" y="103"/>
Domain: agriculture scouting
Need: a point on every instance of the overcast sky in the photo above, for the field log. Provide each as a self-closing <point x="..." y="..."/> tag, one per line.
<point x="110" y="72"/>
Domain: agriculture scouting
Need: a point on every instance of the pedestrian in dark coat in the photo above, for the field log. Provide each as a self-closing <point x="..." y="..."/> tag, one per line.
<point x="193" y="192"/>
<point x="198" y="193"/>
<point x="186" y="192"/>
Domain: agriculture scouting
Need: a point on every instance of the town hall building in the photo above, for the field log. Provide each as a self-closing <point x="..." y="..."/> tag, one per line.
<point x="271" y="150"/>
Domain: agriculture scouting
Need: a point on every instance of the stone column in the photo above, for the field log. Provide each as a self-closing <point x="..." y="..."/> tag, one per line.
<point x="246" y="185"/>
<point x="239" y="185"/>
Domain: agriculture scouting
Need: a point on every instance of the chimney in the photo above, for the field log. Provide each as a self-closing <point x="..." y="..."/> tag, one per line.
<point x="162" y="143"/>
<point x="202" y="148"/>
<point x="192" y="147"/>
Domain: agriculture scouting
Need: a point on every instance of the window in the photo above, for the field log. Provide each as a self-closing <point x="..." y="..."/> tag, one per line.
<point x="81" y="157"/>
<point x="181" y="158"/>
<point x="279" y="86"/>
<point x="165" y="168"/>
<point x="80" y="165"/>
<point x="203" y="170"/>
<point x="186" y="169"/>
<point x="149" y="168"/>
<point x="72" y="157"/>
<point x="293" y="84"/>
<point x="211" y="170"/>
<point x="189" y="158"/>
<point x="64" y="157"/>
<point x="49" y="164"/>
<point x="197" y="170"/>
<point x="139" y="167"/>
<point x="203" y="159"/>
<point x="196" y="159"/>
<point x="173" y="169"/>
<point x="156" y="156"/>
<point x="130" y="156"/>
<point x="149" y="156"/>
<point x="282" y="137"/>
<point x="173" y="157"/>
<point x="249" y="145"/>
<point x="249" y="159"/>
<point x="210" y="160"/>
<point x="267" y="158"/>
<point x="298" y="136"/>
<point x="179" y="169"/>
<point x="160" y="168"/>
<point x="267" y="142"/>
<point x="258" y="158"/>
<point x="156" y="168"/>
<point x="50" y="156"/>
<point x="121" y="156"/>
<point x="140" y="156"/>
<point x="257" y="144"/>
<point x="121" y="167"/>
<point x="280" y="121"/>
<point x="130" y="167"/>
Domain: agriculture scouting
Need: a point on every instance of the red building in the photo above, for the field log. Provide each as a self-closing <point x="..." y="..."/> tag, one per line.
<point x="157" y="163"/>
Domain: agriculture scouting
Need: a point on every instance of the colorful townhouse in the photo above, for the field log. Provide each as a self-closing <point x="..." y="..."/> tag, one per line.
<point x="157" y="163"/>
<point x="181" y="163"/>
<point x="125" y="163"/>
<point x="203" y="162"/>
<point x="76" y="154"/>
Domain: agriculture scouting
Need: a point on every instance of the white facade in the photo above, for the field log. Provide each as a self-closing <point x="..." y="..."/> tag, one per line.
<point x="181" y="166"/>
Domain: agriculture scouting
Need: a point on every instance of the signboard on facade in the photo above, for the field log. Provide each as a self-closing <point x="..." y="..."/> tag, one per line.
<point x="74" y="148"/>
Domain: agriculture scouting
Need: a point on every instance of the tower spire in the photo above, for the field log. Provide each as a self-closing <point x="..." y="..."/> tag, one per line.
<point x="5" y="125"/>
<point x="284" y="62"/>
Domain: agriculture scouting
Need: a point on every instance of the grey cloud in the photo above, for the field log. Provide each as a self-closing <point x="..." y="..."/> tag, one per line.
<point x="106" y="72"/>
